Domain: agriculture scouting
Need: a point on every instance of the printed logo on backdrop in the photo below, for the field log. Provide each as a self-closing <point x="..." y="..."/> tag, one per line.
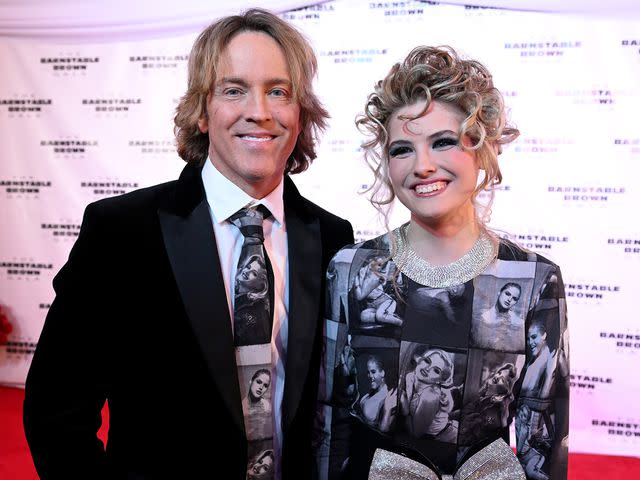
<point x="342" y="145"/>
<point x="631" y="45"/>
<point x="153" y="148"/>
<point x="24" y="187"/>
<point x="538" y="242"/>
<point x="362" y="234"/>
<point x="622" y="342"/>
<point x="20" y="346"/>
<point x="22" y="107"/>
<point x="627" y="245"/>
<point x="158" y="62"/>
<point x="604" y="96"/>
<point x="352" y="55"/>
<point x="541" y="147"/>
<point x="618" y="430"/>
<point x="586" y="195"/>
<point x="590" y="293"/>
<point x="121" y="106"/>
<point x="543" y="49"/>
<point x="481" y="11"/>
<point x="68" y="147"/>
<point x="629" y="145"/>
<point x="402" y="11"/>
<point x="498" y="190"/>
<point x="61" y="231"/>
<point x="587" y="384"/>
<point x="310" y="14"/>
<point x="69" y="64"/>
<point x="108" y="187"/>
<point x="24" y="269"/>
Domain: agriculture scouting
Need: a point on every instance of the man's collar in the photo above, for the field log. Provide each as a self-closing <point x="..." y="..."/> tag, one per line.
<point x="226" y="198"/>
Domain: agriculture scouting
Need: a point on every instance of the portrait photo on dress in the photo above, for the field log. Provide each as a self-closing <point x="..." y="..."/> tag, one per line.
<point x="377" y="385"/>
<point x="488" y="394"/>
<point x="377" y="296"/>
<point x="500" y="307"/>
<point x="447" y="311"/>
<point x="430" y="388"/>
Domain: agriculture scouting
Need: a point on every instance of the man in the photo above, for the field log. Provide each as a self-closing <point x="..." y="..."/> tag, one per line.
<point x="143" y="314"/>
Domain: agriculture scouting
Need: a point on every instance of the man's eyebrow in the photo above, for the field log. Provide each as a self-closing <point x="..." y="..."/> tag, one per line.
<point x="244" y="83"/>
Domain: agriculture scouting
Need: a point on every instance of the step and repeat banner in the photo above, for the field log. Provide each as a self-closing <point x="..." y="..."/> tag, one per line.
<point x="83" y="121"/>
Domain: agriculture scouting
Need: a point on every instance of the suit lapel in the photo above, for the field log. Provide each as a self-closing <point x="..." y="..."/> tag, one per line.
<point x="188" y="237"/>
<point x="305" y="271"/>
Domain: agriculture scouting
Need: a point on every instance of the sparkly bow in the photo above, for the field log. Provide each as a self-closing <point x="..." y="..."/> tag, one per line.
<point x="496" y="461"/>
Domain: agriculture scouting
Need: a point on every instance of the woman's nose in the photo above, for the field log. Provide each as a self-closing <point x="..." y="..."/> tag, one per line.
<point x="423" y="165"/>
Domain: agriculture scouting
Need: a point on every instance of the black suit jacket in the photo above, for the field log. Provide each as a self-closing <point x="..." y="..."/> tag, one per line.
<point x="141" y="318"/>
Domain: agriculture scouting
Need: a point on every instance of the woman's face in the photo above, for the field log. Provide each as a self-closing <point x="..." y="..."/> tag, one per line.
<point x="248" y="279"/>
<point x="499" y="383"/>
<point x="261" y="468"/>
<point x="536" y="339"/>
<point x="375" y="375"/>
<point x="430" y="369"/>
<point x="260" y="385"/>
<point x="429" y="171"/>
<point x="508" y="298"/>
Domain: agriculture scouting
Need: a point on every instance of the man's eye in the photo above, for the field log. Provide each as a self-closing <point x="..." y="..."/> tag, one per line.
<point x="232" y="92"/>
<point x="400" y="151"/>
<point x="279" y="92"/>
<point x="445" y="142"/>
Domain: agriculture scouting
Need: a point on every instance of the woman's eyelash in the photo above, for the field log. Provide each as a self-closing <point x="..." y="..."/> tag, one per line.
<point x="399" y="150"/>
<point x="445" y="142"/>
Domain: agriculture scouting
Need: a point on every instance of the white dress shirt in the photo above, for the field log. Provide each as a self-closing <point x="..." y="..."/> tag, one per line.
<point x="225" y="198"/>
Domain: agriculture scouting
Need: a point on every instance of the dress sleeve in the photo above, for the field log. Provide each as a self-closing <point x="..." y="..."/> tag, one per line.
<point x="542" y="415"/>
<point x="337" y="389"/>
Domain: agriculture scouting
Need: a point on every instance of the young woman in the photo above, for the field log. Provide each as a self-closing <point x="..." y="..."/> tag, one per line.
<point x="437" y="125"/>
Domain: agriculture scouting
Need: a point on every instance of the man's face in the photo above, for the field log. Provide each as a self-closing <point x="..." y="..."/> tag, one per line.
<point x="253" y="120"/>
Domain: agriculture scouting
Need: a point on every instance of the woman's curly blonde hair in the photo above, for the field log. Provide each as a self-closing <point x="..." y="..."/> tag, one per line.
<point x="437" y="74"/>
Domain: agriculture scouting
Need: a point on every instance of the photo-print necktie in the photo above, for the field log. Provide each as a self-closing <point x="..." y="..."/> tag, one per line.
<point x="253" y="308"/>
<point x="252" y="319"/>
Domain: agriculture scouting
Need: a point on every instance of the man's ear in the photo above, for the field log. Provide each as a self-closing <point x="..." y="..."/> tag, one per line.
<point x="203" y="124"/>
<point x="203" y="121"/>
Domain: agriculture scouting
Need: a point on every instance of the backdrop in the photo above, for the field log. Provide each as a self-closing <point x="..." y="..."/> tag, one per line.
<point x="86" y="105"/>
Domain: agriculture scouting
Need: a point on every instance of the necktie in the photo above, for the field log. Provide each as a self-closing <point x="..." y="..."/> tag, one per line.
<point x="252" y="318"/>
<point x="253" y="309"/>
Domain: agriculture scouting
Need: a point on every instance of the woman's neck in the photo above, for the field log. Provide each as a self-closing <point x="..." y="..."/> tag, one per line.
<point x="441" y="245"/>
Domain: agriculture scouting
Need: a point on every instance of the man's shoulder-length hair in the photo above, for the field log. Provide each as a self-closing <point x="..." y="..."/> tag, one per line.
<point x="192" y="144"/>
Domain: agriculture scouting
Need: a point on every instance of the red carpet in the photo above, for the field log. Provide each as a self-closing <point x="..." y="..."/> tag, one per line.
<point x="15" y="462"/>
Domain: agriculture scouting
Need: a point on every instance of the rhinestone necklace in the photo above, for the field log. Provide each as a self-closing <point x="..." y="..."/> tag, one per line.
<point x="441" y="276"/>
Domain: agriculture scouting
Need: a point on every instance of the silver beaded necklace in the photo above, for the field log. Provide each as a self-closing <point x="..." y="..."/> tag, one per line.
<point x="442" y="276"/>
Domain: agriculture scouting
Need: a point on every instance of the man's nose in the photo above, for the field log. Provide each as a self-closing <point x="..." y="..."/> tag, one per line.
<point x="258" y="108"/>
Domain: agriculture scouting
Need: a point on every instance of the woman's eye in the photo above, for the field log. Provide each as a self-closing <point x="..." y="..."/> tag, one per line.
<point x="437" y="370"/>
<point x="445" y="142"/>
<point x="400" y="151"/>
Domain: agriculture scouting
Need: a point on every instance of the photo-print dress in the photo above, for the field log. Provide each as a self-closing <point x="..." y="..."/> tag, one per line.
<point x="458" y="370"/>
